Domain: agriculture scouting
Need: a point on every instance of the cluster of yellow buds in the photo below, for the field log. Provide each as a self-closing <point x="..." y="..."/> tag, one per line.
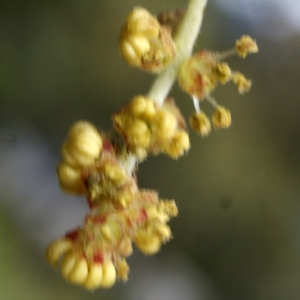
<point x="94" y="255"/>
<point x="94" y="164"/>
<point x="201" y="73"/>
<point x="82" y="147"/>
<point x="148" y="129"/>
<point x="146" y="44"/>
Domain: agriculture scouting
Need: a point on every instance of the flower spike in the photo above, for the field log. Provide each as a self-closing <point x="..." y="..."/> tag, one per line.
<point x="146" y="44"/>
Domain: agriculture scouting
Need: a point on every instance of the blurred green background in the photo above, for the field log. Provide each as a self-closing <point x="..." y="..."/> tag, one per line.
<point x="238" y="232"/>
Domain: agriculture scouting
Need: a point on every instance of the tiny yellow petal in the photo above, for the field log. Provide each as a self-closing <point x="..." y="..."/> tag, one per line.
<point x="109" y="275"/>
<point x="179" y="143"/>
<point x="200" y="123"/>
<point x="122" y="270"/>
<point x="68" y="263"/>
<point x="70" y="179"/>
<point x="138" y="105"/>
<point x="221" y="118"/>
<point x="147" y="242"/>
<point x="79" y="273"/>
<point x="56" y="249"/>
<point x="95" y="277"/>
<point x="245" y="45"/>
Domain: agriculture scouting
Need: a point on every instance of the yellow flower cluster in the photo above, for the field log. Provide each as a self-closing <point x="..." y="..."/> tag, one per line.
<point x="146" y="44"/>
<point x="96" y="165"/>
<point x="107" y="179"/>
<point x="82" y="147"/>
<point x="148" y="129"/>
<point x="94" y="256"/>
<point x="199" y="76"/>
<point x="221" y="118"/>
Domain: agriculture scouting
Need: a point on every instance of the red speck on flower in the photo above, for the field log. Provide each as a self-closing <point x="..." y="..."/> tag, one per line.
<point x="107" y="146"/>
<point x="98" y="258"/>
<point x="198" y="88"/>
<point x="72" y="235"/>
<point x="99" y="219"/>
<point x="142" y="216"/>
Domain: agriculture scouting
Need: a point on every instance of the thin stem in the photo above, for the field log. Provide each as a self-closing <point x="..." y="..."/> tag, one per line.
<point x="184" y="40"/>
<point x="212" y="101"/>
<point x="226" y="54"/>
<point x="196" y="104"/>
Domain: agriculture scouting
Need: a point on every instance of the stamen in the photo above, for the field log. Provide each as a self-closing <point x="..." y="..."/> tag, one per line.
<point x="196" y="103"/>
<point x="212" y="101"/>
<point x="225" y="54"/>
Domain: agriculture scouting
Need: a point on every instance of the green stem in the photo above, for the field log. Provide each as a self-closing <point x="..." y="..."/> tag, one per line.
<point x="184" y="40"/>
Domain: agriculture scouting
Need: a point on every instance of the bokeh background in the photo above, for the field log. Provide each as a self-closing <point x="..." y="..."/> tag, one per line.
<point x="238" y="232"/>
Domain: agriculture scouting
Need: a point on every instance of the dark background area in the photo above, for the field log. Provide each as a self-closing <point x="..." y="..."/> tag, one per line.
<point x="237" y="235"/>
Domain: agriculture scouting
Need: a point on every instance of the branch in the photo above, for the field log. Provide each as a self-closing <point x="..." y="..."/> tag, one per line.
<point x="184" y="40"/>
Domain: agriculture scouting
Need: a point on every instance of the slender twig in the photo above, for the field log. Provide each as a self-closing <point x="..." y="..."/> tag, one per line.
<point x="184" y="40"/>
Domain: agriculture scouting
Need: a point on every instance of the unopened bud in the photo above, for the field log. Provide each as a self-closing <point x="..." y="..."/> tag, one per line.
<point x="200" y="123"/>
<point x="141" y="20"/>
<point x="223" y="72"/>
<point x="221" y="118"/>
<point x="243" y="84"/>
<point x="144" y="43"/>
<point x="137" y="134"/>
<point x="147" y="242"/>
<point x="56" y="249"/>
<point x="245" y="45"/>
<point x="179" y="144"/>
<point x="166" y="124"/>
<point x="94" y="278"/>
<point x="109" y="275"/>
<point x="122" y="270"/>
<point x="70" y="179"/>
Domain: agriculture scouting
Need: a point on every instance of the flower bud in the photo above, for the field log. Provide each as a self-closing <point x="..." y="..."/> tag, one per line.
<point x="85" y="138"/>
<point x="115" y="173"/>
<point x="150" y="109"/>
<point x="245" y="45"/>
<point x="94" y="278"/>
<point x="221" y="118"/>
<point x="179" y="143"/>
<point x="162" y="230"/>
<point x="242" y="83"/>
<point x="111" y="231"/>
<point x="125" y="247"/>
<point x="56" y="249"/>
<point x="138" y="134"/>
<point x="70" y="179"/>
<point x="196" y="76"/>
<point x="109" y="274"/>
<point x="144" y="43"/>
<point x="138" y="105"/>
<point x="166" y="124"/>
<point x="132" y="47"/>
<point x="82" y="146"/>
<point x="79" y="273"/>
<point x="147" y="242"/>
<point x="140" y="20"/>
<point x="222" y="72"/>
<point x="200" y="123"/>
<point x="122" y="270"/>
<point x="68" y="263"/>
